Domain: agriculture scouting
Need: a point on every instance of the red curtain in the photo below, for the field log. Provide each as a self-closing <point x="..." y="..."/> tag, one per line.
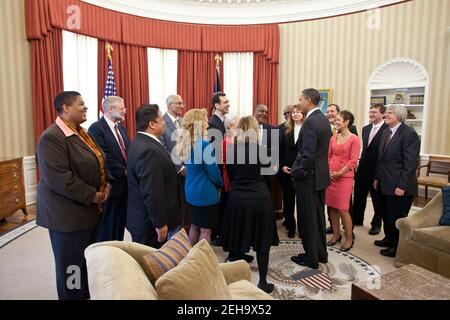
<point x="46" y="79"/>
<point x="265" y="85"/>
<point x="195" y="78"/>
<point x="130" y="35"/>
<point x="131" y="73"/>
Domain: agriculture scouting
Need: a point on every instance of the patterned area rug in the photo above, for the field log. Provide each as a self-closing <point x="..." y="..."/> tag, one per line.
<point x="332" y="281"/>
<point x="17" y="232"/>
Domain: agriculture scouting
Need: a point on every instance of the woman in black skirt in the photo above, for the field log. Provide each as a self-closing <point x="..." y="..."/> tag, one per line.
<point x="249" y="218"/>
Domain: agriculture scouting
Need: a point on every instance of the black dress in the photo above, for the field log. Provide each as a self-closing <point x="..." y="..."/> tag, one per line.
<point x="249" y="218"/>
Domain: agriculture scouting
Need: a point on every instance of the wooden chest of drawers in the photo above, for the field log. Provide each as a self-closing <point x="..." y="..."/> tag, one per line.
<point x="12" y="190"/>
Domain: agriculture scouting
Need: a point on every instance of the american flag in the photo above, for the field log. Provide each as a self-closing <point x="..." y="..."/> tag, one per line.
<point x="110" y="86"/>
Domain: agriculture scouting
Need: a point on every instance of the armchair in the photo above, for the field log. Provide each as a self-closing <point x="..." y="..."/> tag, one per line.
<point x="423" y="241"/>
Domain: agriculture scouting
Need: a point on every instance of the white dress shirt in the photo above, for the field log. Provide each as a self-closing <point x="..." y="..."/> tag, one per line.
<point x="111" y="125"/>
<point x="311" y="111"/>
<point x="174" y="120"/>
<point x="297" y="128"/>
<point x="151" y="136"/>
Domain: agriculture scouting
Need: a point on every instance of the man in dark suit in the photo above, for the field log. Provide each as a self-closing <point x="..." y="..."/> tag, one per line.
<point x="395" y="176"/>
<point x="265" y="139"/>
<point x="173" y="120"/>
<point x="371" y="136"/>
<point x="216" y="132"/>
<point x="111" y="136"/>
<point x="153" y="213"/>
<point x="311" y="176"/>
<point x="332" y="111"/>
<point x="220" y="107"/>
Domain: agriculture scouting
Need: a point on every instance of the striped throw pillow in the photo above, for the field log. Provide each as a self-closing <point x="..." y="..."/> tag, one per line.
<point x="171" y="253"/>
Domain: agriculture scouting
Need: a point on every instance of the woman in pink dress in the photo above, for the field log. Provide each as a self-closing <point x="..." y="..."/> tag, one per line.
<point x="343" y="155"/>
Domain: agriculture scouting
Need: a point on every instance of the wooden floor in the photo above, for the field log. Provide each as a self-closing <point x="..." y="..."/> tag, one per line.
<point x="18" y="218"/>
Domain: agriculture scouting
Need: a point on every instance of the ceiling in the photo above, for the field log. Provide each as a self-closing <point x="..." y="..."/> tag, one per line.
<point x="239" y="11"/>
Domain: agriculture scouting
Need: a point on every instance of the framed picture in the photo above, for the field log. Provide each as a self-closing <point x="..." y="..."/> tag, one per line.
<point x="327" y="98"/>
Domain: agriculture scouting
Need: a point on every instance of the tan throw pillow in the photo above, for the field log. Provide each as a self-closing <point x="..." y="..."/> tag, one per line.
<point x="171" y="253"/>
<point x="197" y="277"/>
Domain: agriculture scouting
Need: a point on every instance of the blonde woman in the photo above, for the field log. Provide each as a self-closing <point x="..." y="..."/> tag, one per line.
<point x="249" y="219"/>
<point x="203" y="179"/>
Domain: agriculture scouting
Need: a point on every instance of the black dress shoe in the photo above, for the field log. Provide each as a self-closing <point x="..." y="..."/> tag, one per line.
<point x="381" y="243"/>
<point x="330" y="230"/>
<point x="304" y="262"/>
<point x="266" y="287"/>
<point x="321" y="260"/>
<point x="332" y="243"/>
<point x="374" y="231"/>
<point x="388" y="252"/>
<point x="241" y="256"/>
<point x="291" y="234"/>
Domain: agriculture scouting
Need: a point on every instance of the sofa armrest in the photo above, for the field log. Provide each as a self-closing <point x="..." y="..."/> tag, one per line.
<point x="236" y="271"/>
<point x="136" y="250"/>
<point x="427" y="217"/>
<point x="115" y="275"/>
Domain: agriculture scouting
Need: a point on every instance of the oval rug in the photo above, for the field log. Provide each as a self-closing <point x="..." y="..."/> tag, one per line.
<point x="332" y="281"/>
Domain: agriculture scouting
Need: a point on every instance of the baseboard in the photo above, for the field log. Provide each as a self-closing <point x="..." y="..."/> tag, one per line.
<point x="30" y="179"/>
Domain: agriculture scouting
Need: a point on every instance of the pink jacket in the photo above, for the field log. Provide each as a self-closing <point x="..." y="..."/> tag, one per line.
<point x="346" y="154"/>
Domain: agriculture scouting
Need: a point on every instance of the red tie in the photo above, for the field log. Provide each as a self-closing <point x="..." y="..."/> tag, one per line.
<point x="121" y="144"/>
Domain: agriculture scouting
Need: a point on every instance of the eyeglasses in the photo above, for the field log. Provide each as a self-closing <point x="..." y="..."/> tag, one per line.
<point x="287" y="113"/>
<point x="181" y="103"/>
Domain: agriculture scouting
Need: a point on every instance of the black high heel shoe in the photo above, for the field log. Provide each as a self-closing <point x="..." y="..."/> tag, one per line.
<point x="345" y="249"/>
<point x="332" y="243"/>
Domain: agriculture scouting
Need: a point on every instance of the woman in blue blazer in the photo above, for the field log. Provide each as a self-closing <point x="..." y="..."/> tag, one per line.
<point x="203" y="178"/>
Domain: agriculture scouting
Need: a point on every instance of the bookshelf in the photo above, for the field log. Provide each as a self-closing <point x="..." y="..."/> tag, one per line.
<point x="402" y="81"/>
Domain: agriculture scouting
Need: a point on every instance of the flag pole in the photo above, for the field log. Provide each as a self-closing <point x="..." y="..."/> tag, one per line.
<point x="109" y="50"/>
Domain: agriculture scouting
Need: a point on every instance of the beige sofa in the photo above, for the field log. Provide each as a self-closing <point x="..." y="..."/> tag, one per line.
<point x="116" y="271"/>
<point x="423" y="241"/>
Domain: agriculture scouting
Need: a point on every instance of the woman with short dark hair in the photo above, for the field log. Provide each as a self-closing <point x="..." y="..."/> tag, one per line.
<point x="71" y="192"/>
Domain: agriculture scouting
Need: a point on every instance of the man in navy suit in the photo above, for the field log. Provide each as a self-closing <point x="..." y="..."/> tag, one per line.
<point x="153" y="213"/>
<point x="311" y="175"/>
<point x="371" y="136"/>
<point x="395" y="176"/>
<point x="111" y="136"/>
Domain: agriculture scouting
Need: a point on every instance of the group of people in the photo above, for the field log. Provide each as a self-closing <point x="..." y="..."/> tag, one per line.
<point x="384" y="166"/>
<point x="95" y="183"/>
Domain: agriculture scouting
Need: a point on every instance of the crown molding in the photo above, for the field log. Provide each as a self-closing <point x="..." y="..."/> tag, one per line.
<point x="243" y="12"/>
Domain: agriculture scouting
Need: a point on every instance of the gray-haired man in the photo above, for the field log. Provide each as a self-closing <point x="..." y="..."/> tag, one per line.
<point x="111" y="136"/>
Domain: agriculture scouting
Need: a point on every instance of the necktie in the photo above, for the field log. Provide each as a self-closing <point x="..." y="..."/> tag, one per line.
<point x="121" y="144"/>
<point x="177" y="123"/>
<point x="388" y="139"/>
<point x="372" y="134"/>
